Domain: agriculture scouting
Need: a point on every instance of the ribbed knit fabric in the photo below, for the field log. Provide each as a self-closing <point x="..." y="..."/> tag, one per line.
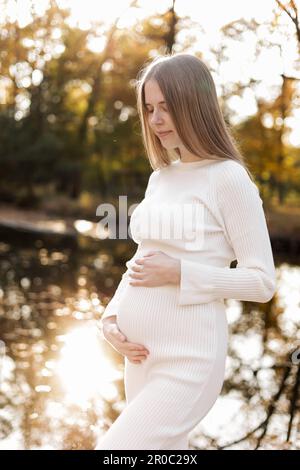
<point x="214" y="215"/>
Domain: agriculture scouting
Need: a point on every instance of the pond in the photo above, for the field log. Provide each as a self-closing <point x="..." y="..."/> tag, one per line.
<point x="61" y="384"/>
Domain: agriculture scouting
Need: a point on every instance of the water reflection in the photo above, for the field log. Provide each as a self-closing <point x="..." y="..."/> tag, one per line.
<point x="59" y="381"/>
<point x="62" y="386"/>
<point x="84" y="370"/>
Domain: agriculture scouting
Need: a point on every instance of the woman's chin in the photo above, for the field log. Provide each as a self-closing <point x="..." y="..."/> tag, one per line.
<point x="168" y="146"/>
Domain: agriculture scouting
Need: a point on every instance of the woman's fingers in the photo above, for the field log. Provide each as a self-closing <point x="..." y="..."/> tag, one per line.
<point x="136" y="275"/>
<point x="114" y="330"/>
<point x="136" y="269"/>
<point x="137" y="347"/>
<point x="138" y="353"/>
<point x="139" y="357"/>
<point x="135" y="353"/>
<point x="137" y="360"/>
<point x="129" y="349"/>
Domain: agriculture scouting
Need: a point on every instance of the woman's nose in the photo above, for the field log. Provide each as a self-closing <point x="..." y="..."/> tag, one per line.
<point x="156" y="117"/>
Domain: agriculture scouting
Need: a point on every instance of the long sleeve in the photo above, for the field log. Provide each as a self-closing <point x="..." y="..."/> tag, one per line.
<point x="112" y="306"/>
<point x="254" y="279"/>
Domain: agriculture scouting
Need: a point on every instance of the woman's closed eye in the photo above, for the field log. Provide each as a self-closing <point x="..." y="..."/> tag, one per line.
<point x="150" y="111"/>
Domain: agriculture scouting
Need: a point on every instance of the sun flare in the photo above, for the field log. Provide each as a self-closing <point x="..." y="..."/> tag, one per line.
<point x="83" y="369"/>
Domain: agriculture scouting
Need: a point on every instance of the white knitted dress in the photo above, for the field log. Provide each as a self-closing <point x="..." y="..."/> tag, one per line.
<point x="184" y="327"/>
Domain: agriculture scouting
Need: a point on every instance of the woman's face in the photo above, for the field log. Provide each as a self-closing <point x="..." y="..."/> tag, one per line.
<point x="158" y="116"/>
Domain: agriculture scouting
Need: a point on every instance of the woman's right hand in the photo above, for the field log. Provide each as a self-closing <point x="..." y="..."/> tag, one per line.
<point x="135" y="353"/>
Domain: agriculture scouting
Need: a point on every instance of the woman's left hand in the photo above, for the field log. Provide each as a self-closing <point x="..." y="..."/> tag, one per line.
<point x="155" y="269"/>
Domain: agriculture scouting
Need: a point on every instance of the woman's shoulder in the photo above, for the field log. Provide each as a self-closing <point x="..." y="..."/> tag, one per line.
<point x="231" y="170"/>
<point x="229" y="165"/>
<point x="233" y="178"/>
<point x="154" y="174"/>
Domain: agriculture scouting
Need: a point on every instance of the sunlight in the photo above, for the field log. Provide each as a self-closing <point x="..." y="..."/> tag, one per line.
<point x="83" y="369"/>
<point x="91" y="229"/>
<point x="100" y="17"/>
<point x="95" y="11"/>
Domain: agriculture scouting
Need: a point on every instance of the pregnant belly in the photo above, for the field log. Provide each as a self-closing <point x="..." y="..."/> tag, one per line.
<point x="142" y="312"/>
<point x="153" y="314"/>
<point x="152" y="317"/>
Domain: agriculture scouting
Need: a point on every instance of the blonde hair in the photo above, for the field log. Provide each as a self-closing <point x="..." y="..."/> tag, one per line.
<point x="191" y="97"/>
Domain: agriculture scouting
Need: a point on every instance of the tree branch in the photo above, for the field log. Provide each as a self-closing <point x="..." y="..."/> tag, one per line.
<point x="265" y="422"/>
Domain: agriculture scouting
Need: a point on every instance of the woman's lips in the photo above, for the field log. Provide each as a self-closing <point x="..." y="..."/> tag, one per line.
<point x="163" y="134"/>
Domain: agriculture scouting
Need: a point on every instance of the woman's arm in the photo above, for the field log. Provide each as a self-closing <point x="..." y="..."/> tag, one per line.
<point x="112" y="306"/>
<point x="254" y="278"/>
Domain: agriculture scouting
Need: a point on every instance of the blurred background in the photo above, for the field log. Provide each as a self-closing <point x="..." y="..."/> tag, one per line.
<point x="70" y="140"/>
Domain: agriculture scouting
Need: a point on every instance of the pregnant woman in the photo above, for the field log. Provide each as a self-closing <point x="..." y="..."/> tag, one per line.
<point x="201" y="211"/>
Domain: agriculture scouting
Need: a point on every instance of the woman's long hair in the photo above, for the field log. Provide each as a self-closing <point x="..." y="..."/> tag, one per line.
<point x="191" y="97"/>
